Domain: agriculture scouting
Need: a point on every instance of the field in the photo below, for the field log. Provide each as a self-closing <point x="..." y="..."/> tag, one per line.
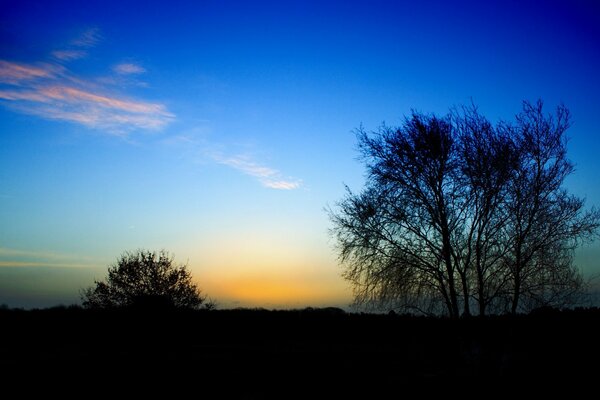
<point x="312" y="353"/>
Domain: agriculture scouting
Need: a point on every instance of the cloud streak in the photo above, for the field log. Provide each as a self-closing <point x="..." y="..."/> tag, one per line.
<point x="13" y="73"/>
<point x="42" y="264"/>
<point x="128" y="69"/>
<point x="268" y="177"/>
<point x="77" y="48"/>
<point x="25" y="258"/>
<point x="88" y="38"/>
<point x="201" y="149"/>
<point x="50" y="91"/>
<point x="69" y="55"/>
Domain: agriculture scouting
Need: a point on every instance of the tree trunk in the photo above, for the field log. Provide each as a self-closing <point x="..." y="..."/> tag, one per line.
<point x="453" y="297"/>
<point x="516" y="295"/>
<point x="482" y="302"/>
<point x="450" y="272"/>
<point x="517" y="281"/>
<point x="480" y="282"/>
<point x="465" y="290"/>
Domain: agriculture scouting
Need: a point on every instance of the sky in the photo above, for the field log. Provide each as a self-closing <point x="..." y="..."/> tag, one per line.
<point x="221" y="130"/>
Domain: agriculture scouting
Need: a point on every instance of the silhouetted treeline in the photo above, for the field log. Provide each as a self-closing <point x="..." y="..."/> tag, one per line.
<point x="310" y="353"/>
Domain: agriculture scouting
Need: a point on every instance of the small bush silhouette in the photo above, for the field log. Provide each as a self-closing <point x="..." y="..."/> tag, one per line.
<point x="146" y="280"/>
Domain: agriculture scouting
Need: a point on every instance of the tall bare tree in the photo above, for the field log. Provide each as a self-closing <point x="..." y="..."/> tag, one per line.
<point x="397" y="235"/>
<point x="458" y="212"/>
<point x="545" y="223"/>
<point x="487" y="159"/>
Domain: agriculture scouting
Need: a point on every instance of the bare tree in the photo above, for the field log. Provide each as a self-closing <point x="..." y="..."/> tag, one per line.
<point x="488" y="158"/>
<point x="146" y="279"/>
<point x="457" y="211"/>
<point x="397" y="235"/>
<point x="545" y="223"/>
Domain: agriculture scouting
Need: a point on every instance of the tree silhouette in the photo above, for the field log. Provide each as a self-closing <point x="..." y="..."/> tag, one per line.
<point x="545" y="223"/>
<point x="457" y="212"/>
<point x="145" y="279"/>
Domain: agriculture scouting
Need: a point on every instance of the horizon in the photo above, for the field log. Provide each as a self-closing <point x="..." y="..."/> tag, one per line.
<point x="220" y="132"/>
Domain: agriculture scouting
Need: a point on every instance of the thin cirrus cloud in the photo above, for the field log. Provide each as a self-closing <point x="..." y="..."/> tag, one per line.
<point x="88" y="38"/>
<point x="17" y="74"/>
<point x="50" y="91"/>
<point x="268" y="177"/>
<point x="75" y="50"/>
<point x="69" y="55"/>
<point x="25" y="258"/>
<point x="203" y="150"/>
<point x="128" y="69"/>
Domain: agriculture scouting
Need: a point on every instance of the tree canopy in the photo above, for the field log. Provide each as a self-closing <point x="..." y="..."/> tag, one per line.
<point x="459" y="216"/>
<point x="146" y="279"/>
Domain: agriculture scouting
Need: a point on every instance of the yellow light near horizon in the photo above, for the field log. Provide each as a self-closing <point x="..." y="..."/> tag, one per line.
<point x="260" y="269"/>
<point x="268" y="286"/>
<point x="264" y="291"/>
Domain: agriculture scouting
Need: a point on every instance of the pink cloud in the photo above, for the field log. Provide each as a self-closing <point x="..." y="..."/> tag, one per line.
<point x="15" y="73"/>
<point x="50" y="91"/>
<point x="15" y="95"/>
<point x="97" y="111"/>
<point x="74" y="95"/>
<point x="95" y="117"/>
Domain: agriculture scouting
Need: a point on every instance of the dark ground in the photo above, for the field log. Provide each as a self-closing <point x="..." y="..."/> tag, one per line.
<point x="323" y="353"/>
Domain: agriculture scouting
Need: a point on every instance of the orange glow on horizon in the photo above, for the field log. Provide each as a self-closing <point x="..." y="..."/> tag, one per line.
<point x="269" y="291"/>
<point x="255" y="268"/>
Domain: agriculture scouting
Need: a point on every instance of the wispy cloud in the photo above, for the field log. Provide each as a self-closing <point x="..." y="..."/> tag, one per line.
<point x="43" y="264"/>
<point x="128" y="69"/>
<point x="53" y="92"/>
<point x="26" y="258"/>
<point x="197" y="145"/>
<point x="88" y="38"/>
<point x="268" y="177"/>
<point x="13" y="73"/>
<point x="77" y="48"/>
<point x="69" y="55"/>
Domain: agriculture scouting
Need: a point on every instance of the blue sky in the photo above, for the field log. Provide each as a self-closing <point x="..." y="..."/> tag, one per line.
<point x="220" y="130"/>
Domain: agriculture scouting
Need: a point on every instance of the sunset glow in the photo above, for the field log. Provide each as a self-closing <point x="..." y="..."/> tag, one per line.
<point x="221" y="131"/>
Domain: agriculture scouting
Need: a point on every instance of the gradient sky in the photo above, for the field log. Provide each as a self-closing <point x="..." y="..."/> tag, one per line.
<point x="221" y="130"/>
